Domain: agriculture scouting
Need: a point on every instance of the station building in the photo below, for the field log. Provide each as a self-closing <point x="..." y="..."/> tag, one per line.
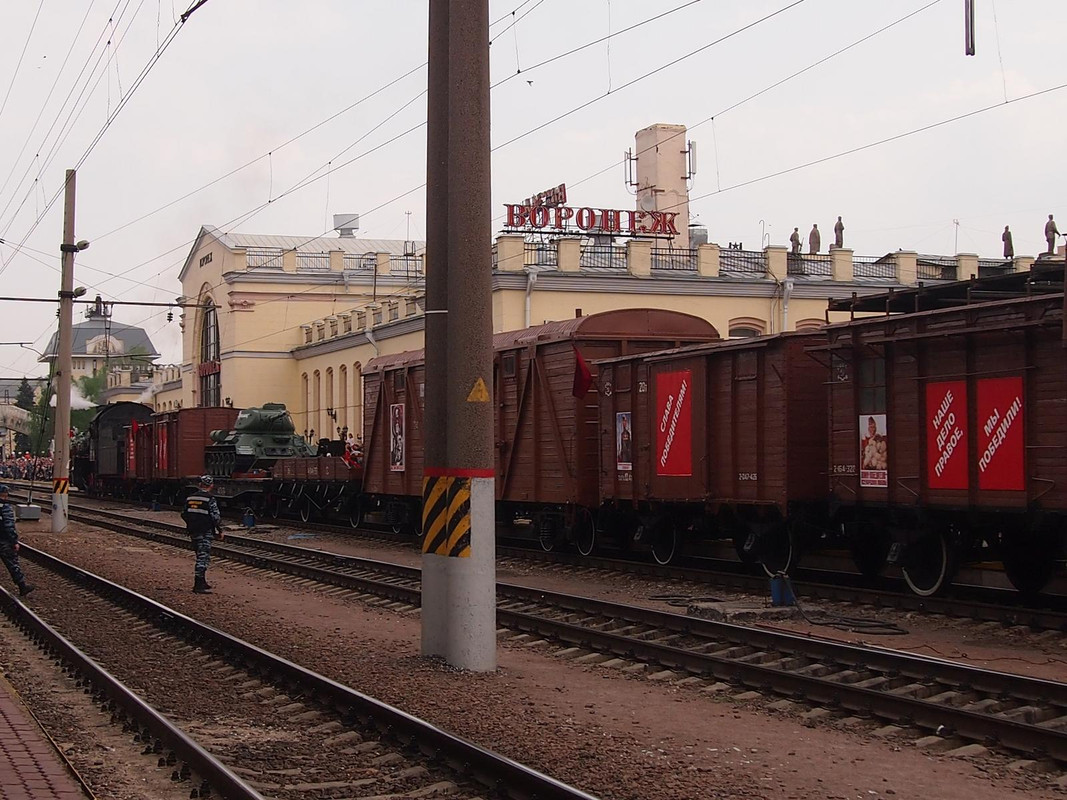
<point x="293" y="319"/>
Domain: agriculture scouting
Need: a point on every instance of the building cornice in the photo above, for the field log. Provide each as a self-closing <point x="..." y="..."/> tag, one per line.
<point x="389" y="330"/>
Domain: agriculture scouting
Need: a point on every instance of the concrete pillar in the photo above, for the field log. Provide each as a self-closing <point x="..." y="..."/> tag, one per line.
<point x="841" y="264"/>
<point x="289" y="260"/>
<point x="777" y="261"/>
<point x="662" y="170"/>
<point x="238" y="260"/>
<point x="382" y="265"/>
<point x="708" y="260"/>
<point x="568" y="255"/>
<point x="907" y="267"/>
<point x="966" y="265"/>
<point x="1023" y="263"/>
<point x="639" y="257"/>
<point x="510" y="252"/>
<point x="337" y="261"/>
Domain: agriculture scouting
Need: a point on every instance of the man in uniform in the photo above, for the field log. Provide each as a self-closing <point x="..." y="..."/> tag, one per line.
<point x="9" y="543"/>
<point x="202" y="519"/>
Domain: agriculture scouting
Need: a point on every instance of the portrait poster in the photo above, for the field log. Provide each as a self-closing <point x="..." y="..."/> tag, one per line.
<point x="946" y="434"/>
<point x="396" y="437"/>
<point x="623" y="442"/>
<point x="1001" y="445"/>
<point x="674" y="425"/>
<point x="874" y="451"/>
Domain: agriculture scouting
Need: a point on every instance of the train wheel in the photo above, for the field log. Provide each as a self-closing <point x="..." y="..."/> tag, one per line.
<point x="1030" y="558"/>
<point x="584" y="531"/>
<point x="546" y="533"/>
<point x="274" y="506"/>
<point x="665" y="543"/>
<point x="307" y="510"/>
<point x="355" y="513"/>
<point x="927" y="564"/>
<point x="777" y="550"/>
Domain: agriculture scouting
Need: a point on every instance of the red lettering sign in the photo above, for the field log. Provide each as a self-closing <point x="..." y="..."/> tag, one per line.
<point x="946" y="435"/>
<point x="1000" y="434"/>
<point x="674" y="424"/>
<point x="595" y="220"/>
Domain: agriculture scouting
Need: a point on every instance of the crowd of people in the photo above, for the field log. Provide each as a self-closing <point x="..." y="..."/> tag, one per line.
<point x="27" y="468"/>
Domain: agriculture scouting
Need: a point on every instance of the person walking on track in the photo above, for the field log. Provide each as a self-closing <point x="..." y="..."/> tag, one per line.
<point x="9" y="543"/>
<point x="202" y="520"/>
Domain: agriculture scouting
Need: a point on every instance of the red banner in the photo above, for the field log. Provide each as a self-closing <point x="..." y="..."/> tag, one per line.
<point x="161" y="449"/>
<point x="1000" y="434"/>
<point x="946" y="435"/>
<point x="674" y="424"/>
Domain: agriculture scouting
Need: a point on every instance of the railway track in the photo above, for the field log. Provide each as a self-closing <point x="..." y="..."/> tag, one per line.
<point x="317" y="727"/>
<point x="936" y="696"/>
<point x="971" y="603"/>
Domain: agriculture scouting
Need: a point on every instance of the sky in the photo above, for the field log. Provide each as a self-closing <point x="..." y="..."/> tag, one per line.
<point x="270" y="116"/>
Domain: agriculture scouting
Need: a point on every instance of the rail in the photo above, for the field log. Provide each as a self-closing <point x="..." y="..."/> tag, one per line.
<point x="814" y="265"/>
<point x="674" y="260"/>
<point x="263" y="257"/>
<point x="995" y="266"/>
<point x="313" y="262"/>
<point x="936" y="268"/>
<point x="743" y="263"/>
<point x="489" y="768"/>
<point x="874" y="267"/>
<point x="603" y="257"/>
<point x="409" y="266"/>
<point x="540" y="254"/>
<point x="356" y="262"/>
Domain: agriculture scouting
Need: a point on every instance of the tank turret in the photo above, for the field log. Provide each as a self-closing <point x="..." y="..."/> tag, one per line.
<point x="260" y="436"/>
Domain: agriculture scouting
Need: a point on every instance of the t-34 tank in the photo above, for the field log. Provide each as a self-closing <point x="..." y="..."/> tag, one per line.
<point x="259" y="438"/>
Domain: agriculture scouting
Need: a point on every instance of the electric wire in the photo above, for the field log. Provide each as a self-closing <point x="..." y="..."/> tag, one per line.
<point x="22" y="56"/>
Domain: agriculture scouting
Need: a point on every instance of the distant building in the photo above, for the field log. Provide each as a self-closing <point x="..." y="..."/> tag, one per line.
<point x="100" y="344"/>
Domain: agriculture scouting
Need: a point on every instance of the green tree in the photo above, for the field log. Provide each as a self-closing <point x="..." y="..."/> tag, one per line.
<point x="91" y="386"/>
<point x="24" y="399"/>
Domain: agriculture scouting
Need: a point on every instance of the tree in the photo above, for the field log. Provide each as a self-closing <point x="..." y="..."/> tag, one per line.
<point x="24" y="399"/>
<point x="91" y="386"/>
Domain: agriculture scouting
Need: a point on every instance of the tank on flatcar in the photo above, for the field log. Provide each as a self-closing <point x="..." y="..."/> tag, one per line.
<point x="258" y="438"/>
<point x="719" y="441"/>
<point x="948" y="431"/>
<point x="547" y="441"/>
<point x="104" y="461"/>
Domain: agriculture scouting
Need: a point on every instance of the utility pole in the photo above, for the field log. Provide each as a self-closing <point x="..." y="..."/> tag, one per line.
<point x="64" y="362"/>
<point x="459" y="546"/>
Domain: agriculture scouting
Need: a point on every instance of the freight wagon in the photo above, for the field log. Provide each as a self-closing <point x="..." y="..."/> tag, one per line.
<point x="546" y="432"/>
<point x="948" y="439"/>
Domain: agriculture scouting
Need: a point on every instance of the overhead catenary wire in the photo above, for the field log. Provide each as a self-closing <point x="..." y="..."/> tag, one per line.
<point x="22" y="57"/>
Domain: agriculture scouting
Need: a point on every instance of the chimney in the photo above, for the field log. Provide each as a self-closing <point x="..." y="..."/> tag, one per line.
<point x="346" y="225"/>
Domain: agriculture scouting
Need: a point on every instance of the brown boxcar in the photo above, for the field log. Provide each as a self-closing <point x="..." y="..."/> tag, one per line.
<point x="725" y="440"/>
<point x="547" y="441"/>
<point x="948" y="437"/>
<point x="182" y="435"/>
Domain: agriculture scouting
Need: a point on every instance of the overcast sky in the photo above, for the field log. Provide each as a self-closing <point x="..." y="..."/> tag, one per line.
<point x="242" y="78"/>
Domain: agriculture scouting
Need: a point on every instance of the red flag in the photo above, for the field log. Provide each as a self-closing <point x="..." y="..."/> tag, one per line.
<point x="133" y="427"/>
<point x="583" y="378"/>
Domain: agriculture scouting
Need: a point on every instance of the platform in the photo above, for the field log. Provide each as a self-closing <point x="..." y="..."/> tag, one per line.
<point x="30" y="767"/>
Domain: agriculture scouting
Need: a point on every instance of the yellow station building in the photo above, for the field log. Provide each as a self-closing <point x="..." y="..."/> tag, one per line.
<point x="293" y="319"/>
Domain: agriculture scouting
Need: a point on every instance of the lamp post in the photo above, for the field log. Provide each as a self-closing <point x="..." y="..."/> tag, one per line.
<point x="67" y="293"/>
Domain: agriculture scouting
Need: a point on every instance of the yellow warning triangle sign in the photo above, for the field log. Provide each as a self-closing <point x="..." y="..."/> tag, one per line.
<point x="479" y="394"/>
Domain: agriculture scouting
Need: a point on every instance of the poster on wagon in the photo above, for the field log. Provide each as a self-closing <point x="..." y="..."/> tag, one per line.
<point x="946" y="435"/>
<point x="1000" y="434"/>
<point x="674" y="425"/>
<point x="623" y="442"/>
<point x="874" y="451"/>
<point x="396" y="437"/>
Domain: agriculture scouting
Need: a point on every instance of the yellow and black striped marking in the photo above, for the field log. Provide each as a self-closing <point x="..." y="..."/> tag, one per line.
<point x="446" y="516"/>
<point x="61" y="486"/>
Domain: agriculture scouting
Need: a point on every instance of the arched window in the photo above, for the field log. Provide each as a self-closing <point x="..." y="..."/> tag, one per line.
<point x="316" y="406"/>
<point x="342" y="396"/>
<point x="305" y="401"/>
<point x="330" y="432"/>
<point x="357" y="397"/>
<point x="210" y="366"/>
<point x="746" y="327"/>
<point x="810" y="324"/>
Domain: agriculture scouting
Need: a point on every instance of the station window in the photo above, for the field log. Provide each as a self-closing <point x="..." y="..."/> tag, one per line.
<point x="872" y="386"/>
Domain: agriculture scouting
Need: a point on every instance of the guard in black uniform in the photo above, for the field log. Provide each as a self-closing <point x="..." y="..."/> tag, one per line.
<point x="9" y="543"/>
<point x="202" y="520"/>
